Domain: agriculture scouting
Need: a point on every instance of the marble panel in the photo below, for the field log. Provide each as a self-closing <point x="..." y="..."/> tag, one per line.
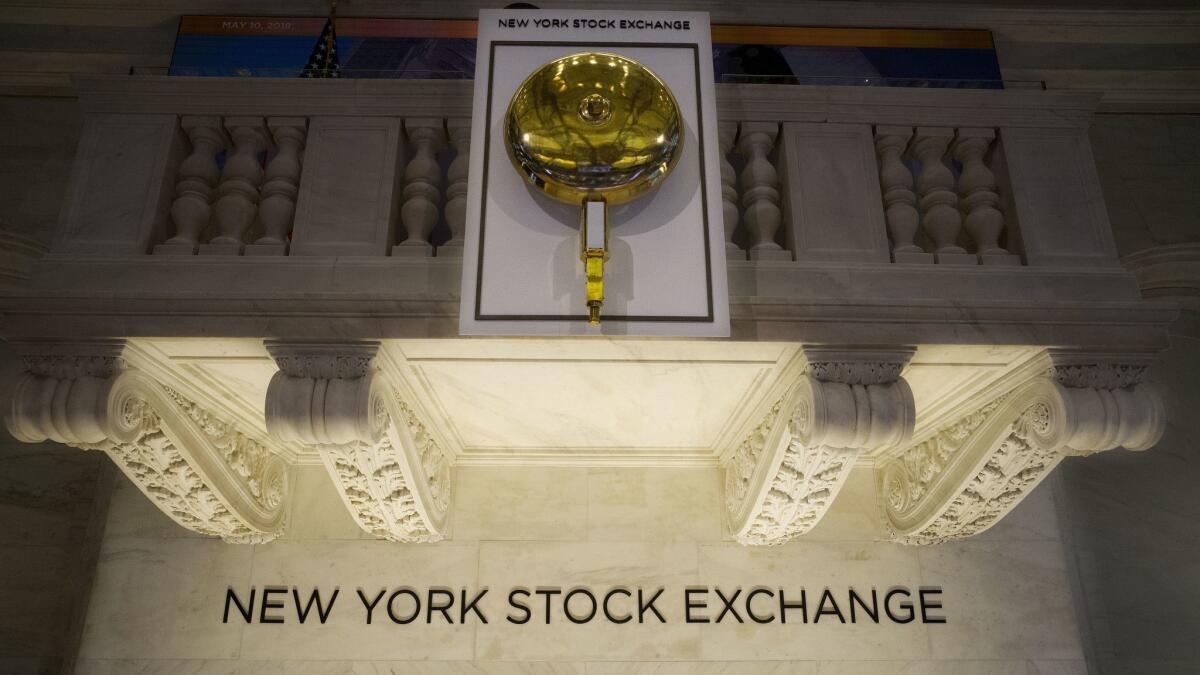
<point x="33" y="614"/>
<point x="1061" y="214"/>
<point x="1077" y="667"/>
<point x="1034" y="518"/>
<point x="598" y="566"/>
<point x="832" y="206"/>
<point x="1107" y="511"/>
<point x="131" y="515"/>
<point x="1008" y="599"/>
<point x="317" y="509"/>
<point x="525" y="503"/>
<point x="46" y="493"/>
<point x="705" y="668"/>
<point x="582" y="404"/>
<point x="1146" y="667"/>
<point x="1146" y="600"/>
<point x="661" y="505"/>
<point x="854" y="515"/>
<point x="161" y="598"/>
<point x="37" y="145"/>
<point x="348" y="566"/>
<point x="812" y="566"/>
<point x="122" y="184"/>
<point x="220" y="667"/>
<point x="348" y="198"/>
<point x="20" y="665"/>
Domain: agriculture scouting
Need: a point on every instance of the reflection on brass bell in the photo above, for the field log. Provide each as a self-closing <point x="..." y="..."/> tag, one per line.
<point x="593" y="129"/>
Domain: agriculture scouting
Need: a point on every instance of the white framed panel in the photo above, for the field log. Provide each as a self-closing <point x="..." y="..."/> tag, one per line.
<point x="666" y="274"/>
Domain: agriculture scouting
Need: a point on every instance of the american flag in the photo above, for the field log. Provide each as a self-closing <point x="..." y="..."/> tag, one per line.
<point x="323" y="61"/>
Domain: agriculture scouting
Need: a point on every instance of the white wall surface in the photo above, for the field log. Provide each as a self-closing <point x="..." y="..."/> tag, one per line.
<point x="159" y="590"/>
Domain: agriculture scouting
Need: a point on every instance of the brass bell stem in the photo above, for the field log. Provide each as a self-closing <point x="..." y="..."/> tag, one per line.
<point x="594" y="240"/>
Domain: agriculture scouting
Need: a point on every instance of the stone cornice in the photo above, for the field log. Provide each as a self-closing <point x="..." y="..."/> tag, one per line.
<point x="1171" y="271"/>
<point x="453" y="98"/>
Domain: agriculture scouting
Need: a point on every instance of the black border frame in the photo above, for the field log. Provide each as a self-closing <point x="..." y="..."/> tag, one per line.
<point x="487" y="142"/>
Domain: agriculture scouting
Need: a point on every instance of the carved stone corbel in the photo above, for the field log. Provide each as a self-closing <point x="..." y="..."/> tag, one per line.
<point x="199" y="470"/>
<point x="970" y="474"/>
<point x="787" y="471"/>
<point x="393" y="476"/>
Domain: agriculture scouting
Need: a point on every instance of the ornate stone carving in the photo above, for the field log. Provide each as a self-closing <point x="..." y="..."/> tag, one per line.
<point x="927" y="459"/>
<point x="726" y="133"/>
<point x="198" y="175"/>
<point x="1098" y="375"/>
<point x="968" y="476"/>
<point x="785" y="474"/>
<point x="237" y="195"/>
<point x="896" y="181"/>
<point x="422" y="184"/>
<point x="740" y="470"/>
<point x="760" y="185"/>
<point x="281" y="180"/>
<point x="199" y="470"/>
<point x="393" y="475"/>
<point x="940" y="217"/>
<point x="977" y="190"/>
<point x="459" y="131"/>
<point x="856" y="372"/>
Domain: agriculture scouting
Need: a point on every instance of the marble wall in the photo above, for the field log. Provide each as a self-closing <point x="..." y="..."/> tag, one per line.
<point x="51" y="518"/>
<point x="1133" y="539"/>
<point x="159" y="591"/>
<point x="37" y="145"/>
<point x="1149" y="168"/>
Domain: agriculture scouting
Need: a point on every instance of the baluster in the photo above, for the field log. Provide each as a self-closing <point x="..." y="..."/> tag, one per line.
<point x="197" y="178"/>
<point x="237" y="195"/>
<point x="422" y="187"/>
<point x="456" y="193"/>
<point x="899" y="200"/>
<point x="760" y="190"/>
<point x="726" y="132"/>
<point x="980" y="198"/>
<point x="281" y="184"/>
<point x="939" y="204"/>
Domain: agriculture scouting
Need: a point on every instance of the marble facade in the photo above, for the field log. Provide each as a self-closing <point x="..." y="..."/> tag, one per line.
<point x="1006" y="593"/>
<point x="527" y="472"/>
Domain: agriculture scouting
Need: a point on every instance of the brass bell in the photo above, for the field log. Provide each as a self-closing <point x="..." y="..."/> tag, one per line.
<point x="593" y="129"/>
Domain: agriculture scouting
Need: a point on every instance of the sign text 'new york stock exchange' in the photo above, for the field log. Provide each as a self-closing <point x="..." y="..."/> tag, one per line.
<point x="581" y="605"/>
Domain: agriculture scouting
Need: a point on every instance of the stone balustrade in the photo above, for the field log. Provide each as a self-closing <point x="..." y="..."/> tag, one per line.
<point x="821" y="174"/>
<point x="835" y="200"/>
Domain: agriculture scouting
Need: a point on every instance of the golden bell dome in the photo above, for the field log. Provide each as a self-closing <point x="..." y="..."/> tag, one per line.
<point x="593" y="126"/>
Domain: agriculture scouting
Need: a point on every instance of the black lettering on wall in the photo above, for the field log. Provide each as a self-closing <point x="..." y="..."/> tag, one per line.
<point x="370" y="605"/>
<point x="267" y="603"/>
<point x="756" y="618"/>
<point x="391" y="606"/>
<point x="512" y="601"/>
<point x="627" y="617"/>
<point x="905" y="606"/>
<point x="247" y="610"/>
<point x="688" y="605"/>
<point x="828" y="605"/>
<point x="472" y="606"/>
<point x="548" y="592"/>
<point x="315" y="597"/>
<point x="728" y="603"/>
<point x="927" y="605"/>
<point x="872" y="610"/>
<point x="444" y="608"/>
<point x="567" y="605"/>
<point x="784" y="606"/>
<point x="648" y="605"/>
